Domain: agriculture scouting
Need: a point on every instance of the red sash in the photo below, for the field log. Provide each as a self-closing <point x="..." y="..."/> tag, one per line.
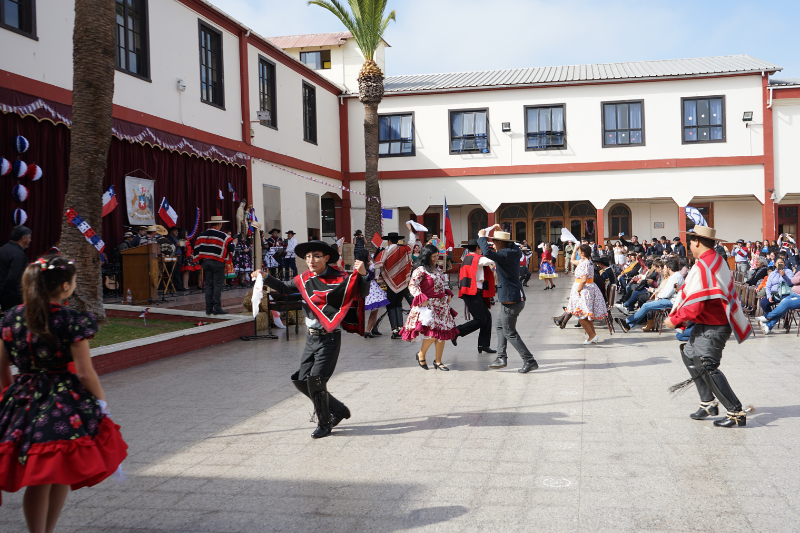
<point x="330" y="296"/>
<point x="467" y="282"/>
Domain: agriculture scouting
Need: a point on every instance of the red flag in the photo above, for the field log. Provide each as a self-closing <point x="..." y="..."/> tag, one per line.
<point x="449" y="242"/>
<point x="377" y="240"/>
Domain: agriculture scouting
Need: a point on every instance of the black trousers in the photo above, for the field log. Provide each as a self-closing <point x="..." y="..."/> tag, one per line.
<point x="481" y="320"/>
<point x="702" y="356"/>
<point x="395" y="307"/>
<point x="213" y="279"/>
<point x="320" y="355"/>
<point x="524" y="275"/>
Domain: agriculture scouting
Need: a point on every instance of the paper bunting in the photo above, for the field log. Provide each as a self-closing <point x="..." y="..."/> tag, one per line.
<point x="20" y="193"/>
<point x="34" y="172"/>
<point x="21" y="144"/>
<point x="196" y="225"/>
<point x="20" y="217"/>
<point x="19" y="169"/>
<point x="5" y="166"/>
<point x="86" y="229"/>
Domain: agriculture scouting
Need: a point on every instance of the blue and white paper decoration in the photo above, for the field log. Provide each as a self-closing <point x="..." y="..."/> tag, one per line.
<point x="34" y="172"/>
<point x="5" y="166"/>
<point x="20" y="193"/>
<point x="19" y="169"/>
<point x="20" y="217"/>
<point x="21" y="144"/>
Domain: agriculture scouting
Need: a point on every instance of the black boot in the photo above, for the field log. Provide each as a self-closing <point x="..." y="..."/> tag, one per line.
<point x="454" y="340"/>
<point x="500" y="362"/>
<point x="718" y="383"/>
<point x="706" y="409"/>
<point x="486" y="349"/>
<point x="733" y="419"/>
<point x="318" y="393"/>
<point x="339" y="411"/>
<point x="376" y="332"/>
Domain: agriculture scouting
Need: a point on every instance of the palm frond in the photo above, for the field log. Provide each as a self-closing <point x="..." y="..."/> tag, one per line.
<point x="365" y="21"/>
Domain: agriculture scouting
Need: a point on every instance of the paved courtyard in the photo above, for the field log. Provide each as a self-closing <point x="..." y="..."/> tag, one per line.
<point x="220" y="440"/>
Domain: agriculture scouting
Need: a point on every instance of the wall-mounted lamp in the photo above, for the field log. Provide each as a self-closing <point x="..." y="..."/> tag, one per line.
<point x="747" y="117"/>
<point x="506" y="127"/>
<point x="181" y="85"/>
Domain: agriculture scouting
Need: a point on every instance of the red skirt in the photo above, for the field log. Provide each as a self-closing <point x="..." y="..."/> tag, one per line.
<point x="79" y="463"/>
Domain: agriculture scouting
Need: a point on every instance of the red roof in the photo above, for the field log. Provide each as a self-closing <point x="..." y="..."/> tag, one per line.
<point x="315" y="39"/>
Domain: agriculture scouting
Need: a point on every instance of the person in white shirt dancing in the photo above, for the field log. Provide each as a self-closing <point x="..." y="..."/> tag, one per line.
<point x="476" y="288"/>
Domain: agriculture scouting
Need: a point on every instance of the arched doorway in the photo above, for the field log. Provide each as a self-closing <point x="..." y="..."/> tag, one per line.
<point x="478" y="219"/>
<point x="619" y="218"/>
<point x="548" y="219"/>
<point x="514" y="219"/>
<point x="583" y="221"/>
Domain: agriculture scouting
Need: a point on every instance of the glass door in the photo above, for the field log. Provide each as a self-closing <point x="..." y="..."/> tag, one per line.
<point x="520" y="230"/>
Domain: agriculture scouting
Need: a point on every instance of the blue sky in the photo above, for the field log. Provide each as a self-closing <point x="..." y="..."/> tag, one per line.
<point x="461" y="35"/>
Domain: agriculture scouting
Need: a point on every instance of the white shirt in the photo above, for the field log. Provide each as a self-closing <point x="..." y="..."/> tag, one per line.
<point x="669" y="292"/>
<point x="482" y="262"/>
<point x="290" y="245"/>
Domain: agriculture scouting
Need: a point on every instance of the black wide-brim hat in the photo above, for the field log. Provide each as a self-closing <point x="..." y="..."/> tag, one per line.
<point x="317" y="246"/>
<point x="393" y="236"/>
<point x="473" y="243"/>
<point x="274" y="229"/>
<point x="602" y="259"/>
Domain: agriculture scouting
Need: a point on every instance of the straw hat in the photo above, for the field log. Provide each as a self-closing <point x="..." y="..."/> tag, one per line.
<point x="158" y="228"/>
<point x="216" y="219"/>
<point x="501" y="236"/>
<point x="705" y="232"/>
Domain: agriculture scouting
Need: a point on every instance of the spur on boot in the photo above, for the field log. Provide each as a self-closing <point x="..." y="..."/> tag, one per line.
<point x="421" y="362"/>
<point x="440" y="366"/>
<point x="732" y="420"/>
<point x="486" y="349"/>
<point x="706" y="409"/>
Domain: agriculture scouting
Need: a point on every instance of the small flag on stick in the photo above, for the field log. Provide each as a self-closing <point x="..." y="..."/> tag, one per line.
<point x="144" y="315"/>
<point x="377" y="240"/>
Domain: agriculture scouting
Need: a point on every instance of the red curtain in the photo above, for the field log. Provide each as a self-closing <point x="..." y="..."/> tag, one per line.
<point x="187" y="182"/>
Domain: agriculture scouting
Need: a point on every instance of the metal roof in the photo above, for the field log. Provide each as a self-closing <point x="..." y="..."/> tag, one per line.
<point x="785" y="82"/>
<point x="316" y="39"/>
<point x="573" y="74"/>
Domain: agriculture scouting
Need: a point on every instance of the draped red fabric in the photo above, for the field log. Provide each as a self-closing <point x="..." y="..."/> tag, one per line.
<point x="186" y="181"/>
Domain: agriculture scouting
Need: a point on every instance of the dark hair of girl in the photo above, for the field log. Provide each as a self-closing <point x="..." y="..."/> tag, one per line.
<point x="424" y="258"/>
<point x="41" y="280"/>
<point x="586" y="250"/>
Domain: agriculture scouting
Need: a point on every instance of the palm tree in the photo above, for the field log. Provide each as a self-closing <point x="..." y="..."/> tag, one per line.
<point x="92" y="94"/>
<point x="366" y="23"/>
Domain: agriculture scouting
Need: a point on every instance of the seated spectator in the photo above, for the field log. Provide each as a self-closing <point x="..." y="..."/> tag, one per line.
<point x="632" y="268"/>
<point x="773" y="282"/>
<point x="759" y="272"/>
<point x="788" y="303"/>
<point x="662" y="299"/>
<point x="638" y="290"/>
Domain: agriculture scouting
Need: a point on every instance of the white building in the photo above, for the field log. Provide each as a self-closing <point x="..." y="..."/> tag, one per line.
<point x="527" y="147"/>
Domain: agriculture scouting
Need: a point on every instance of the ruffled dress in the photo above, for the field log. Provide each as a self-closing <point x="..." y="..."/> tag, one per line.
<point x="190" y="264"/>
<point x="51" y="428"/>
<point x="589" y="302"/>
<point x="242" y="260"/>
<point x="425" y="286"/>
<point x="377" y="296"/>
<point x="546" y="268"/>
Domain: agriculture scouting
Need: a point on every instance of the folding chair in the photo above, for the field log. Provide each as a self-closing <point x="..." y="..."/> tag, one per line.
<point x="612" y="294"/>
<point x="660" y="315"/>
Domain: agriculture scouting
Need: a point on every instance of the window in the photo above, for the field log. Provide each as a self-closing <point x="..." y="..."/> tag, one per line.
<point x="328" y="210"/>
<point x="623" y="123"/>
<point x="396" y="136"/>
<point x="19" y="16"/>
<point x="703" y="120"/>
<point x="131" y="38"/>
<point x="267" y="92"/>
<point x="211" y="86"/>
<point x="544" y="127"/>
<point x="316" y="60"/>
<point x="309" y="113"/>
<point x="478" y="219"/>
<point x="468" y="131"/>
<point x="620" y="218"/>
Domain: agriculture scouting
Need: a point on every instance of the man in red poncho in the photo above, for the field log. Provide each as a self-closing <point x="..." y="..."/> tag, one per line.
<point x="328" y="294"/>
<point x="707" y="300"/>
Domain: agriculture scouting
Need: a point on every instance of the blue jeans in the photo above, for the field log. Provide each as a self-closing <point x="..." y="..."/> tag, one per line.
<point x="685" y="335"/>
<point x="646" y="308"/>
<point x="784" y="306"/>
<point x="634" y="298"/>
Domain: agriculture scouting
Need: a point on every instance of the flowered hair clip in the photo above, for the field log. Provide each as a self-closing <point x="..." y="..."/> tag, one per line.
<point x="45" y="264"/>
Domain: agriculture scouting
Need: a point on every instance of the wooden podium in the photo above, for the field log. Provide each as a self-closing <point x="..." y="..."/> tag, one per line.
<point x="140" y="272"/>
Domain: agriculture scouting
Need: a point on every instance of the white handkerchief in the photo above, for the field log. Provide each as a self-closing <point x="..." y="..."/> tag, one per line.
<point x="417" y="226"/>
<point x="567" y="236"/>
<point x="258" y="294"/>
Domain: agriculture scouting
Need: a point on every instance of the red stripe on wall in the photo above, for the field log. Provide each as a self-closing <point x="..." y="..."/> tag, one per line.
<point x="768" y="209"/>
<point x="566" y="167"/>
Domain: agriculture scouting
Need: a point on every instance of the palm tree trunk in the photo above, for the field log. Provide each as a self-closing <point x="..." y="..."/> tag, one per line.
<point x="92" y="95"/>
<point x="372" y="220"/>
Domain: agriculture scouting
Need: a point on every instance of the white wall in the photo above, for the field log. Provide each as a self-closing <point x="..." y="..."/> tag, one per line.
<point x="662" y="123"/>
<point x="287" y="139"/>
<point x="736" y="220"/>
<point x="346" y="62"/>
<point x="293" y="195"/>
<point x="786" y="127"/>
<point x="50" y="58"/>
<point x="174" y="53"/>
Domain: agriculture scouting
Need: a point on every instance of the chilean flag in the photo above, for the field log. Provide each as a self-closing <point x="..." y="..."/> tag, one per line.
<point x="449" y="242"/>
<point x="109" y="201"/>
<point x="168" y="214"/>
<point x="220" y="197"/>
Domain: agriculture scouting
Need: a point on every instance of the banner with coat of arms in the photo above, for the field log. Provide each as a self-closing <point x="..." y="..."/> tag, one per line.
<point x="140" y="198"/>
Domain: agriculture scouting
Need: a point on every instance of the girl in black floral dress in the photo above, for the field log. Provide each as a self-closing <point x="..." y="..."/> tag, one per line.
<point x="55" y="432"/>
